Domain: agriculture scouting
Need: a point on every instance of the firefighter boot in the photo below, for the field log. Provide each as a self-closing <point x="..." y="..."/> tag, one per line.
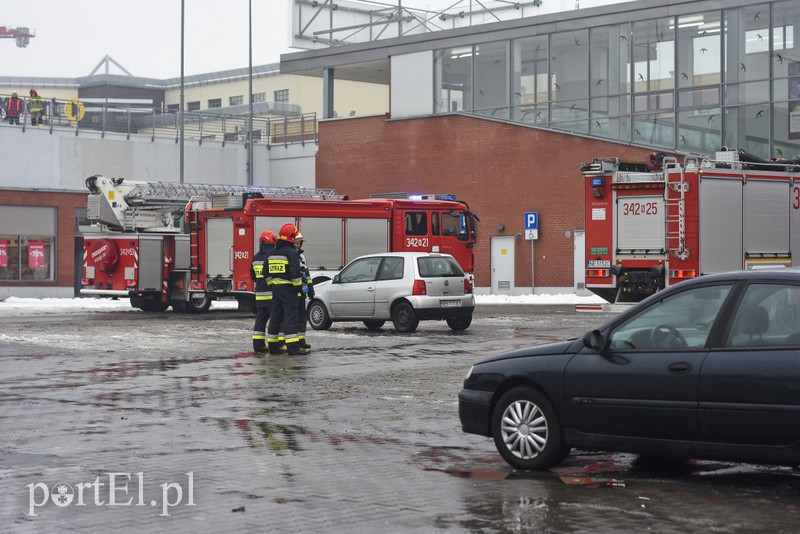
<point x="259" y="346"/>
<point x="295" y="349"/>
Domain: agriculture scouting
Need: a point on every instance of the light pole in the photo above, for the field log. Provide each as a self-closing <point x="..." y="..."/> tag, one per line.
<point x="180" y="112"/>
<point x="250" y="92"/>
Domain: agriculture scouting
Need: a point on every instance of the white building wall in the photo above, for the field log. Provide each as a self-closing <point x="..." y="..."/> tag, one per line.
<point x="412" y="84"/>
<point x="63" y="161"/>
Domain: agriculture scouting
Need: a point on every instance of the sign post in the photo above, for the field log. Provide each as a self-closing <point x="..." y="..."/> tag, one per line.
<point x="532" y="234"/>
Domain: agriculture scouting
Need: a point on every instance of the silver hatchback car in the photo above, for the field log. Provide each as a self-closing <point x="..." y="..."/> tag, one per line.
<point x="404" y="287"/>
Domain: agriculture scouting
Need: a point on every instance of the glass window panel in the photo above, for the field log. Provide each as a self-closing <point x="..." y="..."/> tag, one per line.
<point x="571" y="115"/>
<point x="699" y="49"/>
<point x="654" y="128"/>
<point x="746" y="93"/>
<point x="654" y="102"/>
<point x="569" y="53"/>
<point x="785" y="18"/>
<point x="699" y="98"/>
<point x="36" y="258"/>
<point x="609" y="117"/>
<point x="786" y="129"/>
<point x="491" y="79"/>
<point x="747" y="127"/>
<point x="653" y="52"/>
<point x="699" y="130"/>
<point x="9" y="257"/>
<point x="747" y="43"/>
<point x="529" y="57"/>
<point x="454" y="79"/>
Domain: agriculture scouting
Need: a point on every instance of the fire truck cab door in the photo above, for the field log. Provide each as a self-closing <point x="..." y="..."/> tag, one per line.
<point x="219" y="247"/>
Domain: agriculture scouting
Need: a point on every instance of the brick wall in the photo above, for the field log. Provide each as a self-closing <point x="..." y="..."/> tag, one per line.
<point x="65" y="204"/>
<point x="501" y="170"/>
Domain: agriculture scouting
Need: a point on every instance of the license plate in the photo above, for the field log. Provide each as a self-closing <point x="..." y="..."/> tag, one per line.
<point x="599" y="263"/>
<point x="449" y="303"/>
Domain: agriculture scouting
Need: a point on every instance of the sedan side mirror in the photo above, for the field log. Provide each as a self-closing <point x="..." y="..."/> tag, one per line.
<point x="593" y="340"/>
<point x="336" y="279"/>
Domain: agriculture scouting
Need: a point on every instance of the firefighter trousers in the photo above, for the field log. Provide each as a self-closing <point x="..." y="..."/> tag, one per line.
<point x="283" y="318"/>
<point x="301" y="321"/>
<point x="260" y="326"/>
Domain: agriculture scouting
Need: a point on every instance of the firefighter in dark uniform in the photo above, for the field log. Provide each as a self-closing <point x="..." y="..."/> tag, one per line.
<point x="307" y="291"/>
<point x="258" y="273"/>
<point x="285" y="279"/>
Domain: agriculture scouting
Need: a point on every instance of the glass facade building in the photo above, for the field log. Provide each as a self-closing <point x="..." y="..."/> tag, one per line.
<point x="688" y="83"/>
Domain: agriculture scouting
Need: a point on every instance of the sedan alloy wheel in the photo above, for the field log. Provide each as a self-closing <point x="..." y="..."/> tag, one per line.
<point x="526" y="431"/>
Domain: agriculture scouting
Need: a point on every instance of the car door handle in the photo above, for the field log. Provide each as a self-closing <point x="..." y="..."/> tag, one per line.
<point x="370" y="289"/>
<point x="680" y="367"/>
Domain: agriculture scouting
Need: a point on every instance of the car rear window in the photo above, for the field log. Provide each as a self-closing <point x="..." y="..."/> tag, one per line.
<point x="430" y="267"/>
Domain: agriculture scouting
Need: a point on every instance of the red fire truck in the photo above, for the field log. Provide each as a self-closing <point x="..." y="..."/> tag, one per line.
<point x="652" y="225"/>
<point x="139" y="250"/>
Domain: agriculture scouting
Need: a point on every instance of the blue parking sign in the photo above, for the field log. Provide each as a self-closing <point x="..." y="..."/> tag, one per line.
<point x="532" y="220"/>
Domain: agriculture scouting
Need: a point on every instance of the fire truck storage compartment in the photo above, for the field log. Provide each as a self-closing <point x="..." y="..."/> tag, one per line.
<point x="183" y="252"/>
<point x="741" y="218"/>
<point x="323" y="242"/>
<point x="219" y="238"/>
<point x="151" y="262"/>
<point x="365" y="236"/>
<point x="640" y="224"/>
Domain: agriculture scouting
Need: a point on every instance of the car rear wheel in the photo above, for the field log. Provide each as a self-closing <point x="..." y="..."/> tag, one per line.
<point x="374" y="324"/>
<point x="459" y="323"/>
<point x="526" y="430"/>
<point x="404" y="318"/>
<point x="318" y="316"/>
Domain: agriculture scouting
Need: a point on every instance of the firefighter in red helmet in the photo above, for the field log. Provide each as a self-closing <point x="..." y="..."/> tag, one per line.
<point x="266" y="242"/>
<point x="285" y="280"/>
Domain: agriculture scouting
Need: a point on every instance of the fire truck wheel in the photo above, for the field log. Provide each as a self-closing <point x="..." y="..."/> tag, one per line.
<point x="318" y="316"/>
<point x="198" y="303"/>
<point x="149" y="305"/>
<point x="459" y="323"/>
<point x="404" y="318"/>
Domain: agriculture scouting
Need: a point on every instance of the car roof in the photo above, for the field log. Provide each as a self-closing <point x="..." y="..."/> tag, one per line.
<point x="780" y="273"/>
<point x="406" y="255"/>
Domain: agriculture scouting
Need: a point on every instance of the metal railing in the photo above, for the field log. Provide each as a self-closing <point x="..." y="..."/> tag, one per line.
<point x="273" y="123"/>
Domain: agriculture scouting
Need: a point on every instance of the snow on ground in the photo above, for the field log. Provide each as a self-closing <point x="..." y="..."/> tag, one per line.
<point x="24" y="306"/>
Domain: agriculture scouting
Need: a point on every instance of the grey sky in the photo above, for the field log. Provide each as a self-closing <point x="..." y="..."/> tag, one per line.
<point x="73" y="36"/>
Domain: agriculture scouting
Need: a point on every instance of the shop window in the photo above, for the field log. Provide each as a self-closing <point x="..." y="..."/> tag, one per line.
<point x="26" y="258"/>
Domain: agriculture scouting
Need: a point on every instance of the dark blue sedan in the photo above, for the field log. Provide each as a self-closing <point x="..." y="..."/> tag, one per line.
<point x="709" y="368"/>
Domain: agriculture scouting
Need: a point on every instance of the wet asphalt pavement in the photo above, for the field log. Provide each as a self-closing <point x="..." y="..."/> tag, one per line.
<point x="172" y="419"/>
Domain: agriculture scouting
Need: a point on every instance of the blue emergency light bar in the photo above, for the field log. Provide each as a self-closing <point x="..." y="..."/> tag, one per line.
<point x="597" y="182"/>
<point x="431" y="197"/>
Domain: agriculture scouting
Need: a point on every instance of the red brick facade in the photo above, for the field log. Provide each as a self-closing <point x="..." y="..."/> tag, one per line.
<point x="501" y="170"/>
<point x="65" y="204"/>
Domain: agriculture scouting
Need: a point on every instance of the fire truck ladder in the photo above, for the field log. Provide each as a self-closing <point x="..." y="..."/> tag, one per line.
<point x="675" y="200"/>
<point x="162" y="196"/>
<point x="168" y="194"/>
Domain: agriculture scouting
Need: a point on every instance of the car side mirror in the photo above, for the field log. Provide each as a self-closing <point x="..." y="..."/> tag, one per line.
<point x="593" y="340"/>
<point x="336" y="279"/>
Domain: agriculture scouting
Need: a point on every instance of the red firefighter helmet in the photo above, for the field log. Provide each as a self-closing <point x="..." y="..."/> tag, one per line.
<point x="33" y="91"/>
<point x="288" y="232"/>
<point x="268" y="237"/>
